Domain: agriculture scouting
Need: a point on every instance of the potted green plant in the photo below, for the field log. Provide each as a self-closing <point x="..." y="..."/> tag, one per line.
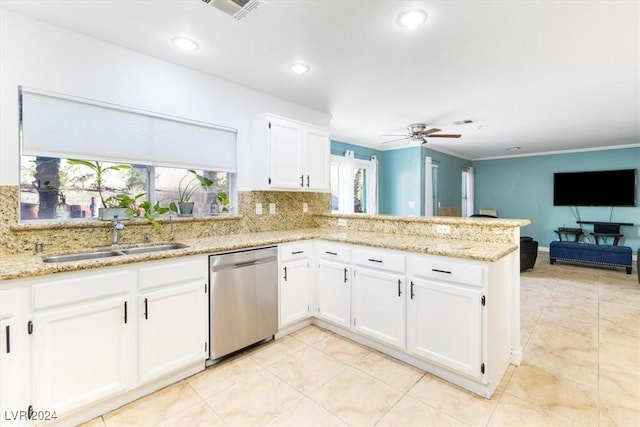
<point x="144" y="209"/>
<point x="111" y="206"/>
<point x="187" y="186"/>
<point x="224" y="204"/>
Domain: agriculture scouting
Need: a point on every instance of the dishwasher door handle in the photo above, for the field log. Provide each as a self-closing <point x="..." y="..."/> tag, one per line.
<point x="251" y="263"/>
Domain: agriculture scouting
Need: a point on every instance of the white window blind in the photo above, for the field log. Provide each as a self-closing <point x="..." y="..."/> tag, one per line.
<point x="71" y="128"/>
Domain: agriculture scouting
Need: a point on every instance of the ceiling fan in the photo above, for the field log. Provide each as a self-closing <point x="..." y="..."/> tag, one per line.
<point x="418" y="134"/>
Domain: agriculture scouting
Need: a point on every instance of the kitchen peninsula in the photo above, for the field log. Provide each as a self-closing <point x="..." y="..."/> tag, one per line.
<point x="470" y="266"/>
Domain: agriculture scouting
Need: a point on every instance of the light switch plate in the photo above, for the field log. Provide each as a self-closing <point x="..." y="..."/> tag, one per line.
<point x="412" y="204"/>
<point x="305" y="207"/>
<point x="272" y="208"/>
<point x="258" y="208"/>
<point x="342" y="222"/>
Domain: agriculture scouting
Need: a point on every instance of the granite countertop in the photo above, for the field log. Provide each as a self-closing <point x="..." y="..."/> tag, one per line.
<point x="26" y="266"/>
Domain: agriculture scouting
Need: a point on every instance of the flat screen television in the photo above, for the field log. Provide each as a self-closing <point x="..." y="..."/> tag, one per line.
<point x="595" y="188"/>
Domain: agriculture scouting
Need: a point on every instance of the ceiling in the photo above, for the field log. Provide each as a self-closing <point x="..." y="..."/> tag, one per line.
<point x="542" y="75"/>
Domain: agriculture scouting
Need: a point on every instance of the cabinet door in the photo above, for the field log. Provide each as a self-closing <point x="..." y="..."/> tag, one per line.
<point x="83" y="353"/>
<point x="379" y="305"/>
<point x="294" y="291"/>
<point x="334" y="292"/>
<point x="9" y="368"/>
<point x="173" y="325"/>
<point x="285" y="154"/>
<point x="444" y="324"/>
<point x="317" y="159"/>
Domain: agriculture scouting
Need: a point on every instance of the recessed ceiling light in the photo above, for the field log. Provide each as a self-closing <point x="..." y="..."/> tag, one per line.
<point x="513" y="148"/>
<point x="412" y="18"/>
<point x="184" y="43"/>
<point x="299" y="68"/>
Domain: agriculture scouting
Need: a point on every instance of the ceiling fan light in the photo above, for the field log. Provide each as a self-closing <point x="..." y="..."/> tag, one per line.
<point x="416" y="141"/>
<point x="412" y="18"/>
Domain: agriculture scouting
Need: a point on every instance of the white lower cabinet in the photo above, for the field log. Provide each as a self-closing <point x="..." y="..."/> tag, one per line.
<point x="14" y="352"/>
<point x="95" y="335"/>
<point x="294" y="282"/>
<point x="379" y="305"/>
<point x="444" y="324"/>
<point x="333" y="288"/>
<point x="173" y="316"/>
<point x="84" y="339"/>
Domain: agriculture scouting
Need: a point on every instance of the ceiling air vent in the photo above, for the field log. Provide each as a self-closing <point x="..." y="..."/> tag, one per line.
<point x="463" y="122"/>
<point x="236" y="8"/>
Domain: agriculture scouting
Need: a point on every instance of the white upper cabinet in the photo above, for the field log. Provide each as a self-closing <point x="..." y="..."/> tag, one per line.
<point x="289" y="155"/>
<point x="285" y="157"/>
<point x="316" y="158"/>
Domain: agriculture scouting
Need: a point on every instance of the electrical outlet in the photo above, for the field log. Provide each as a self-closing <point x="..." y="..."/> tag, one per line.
<point x="443" y="229"/>
<point x="258" y="208"/>
<point x="342" y="222"/>
<point x="272" y="208"/>
<point x="412" y="204"/>
<point x="305" y="207"/>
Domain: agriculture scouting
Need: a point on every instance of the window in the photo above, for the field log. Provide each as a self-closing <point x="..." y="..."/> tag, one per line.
<point x="52" y="188"/>
<point x="139" y="152"/>
<point x="353" y="185"/>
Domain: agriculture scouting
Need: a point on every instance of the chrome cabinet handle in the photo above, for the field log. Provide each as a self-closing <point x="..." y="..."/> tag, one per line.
<point x="301" y="180"/>
<point x="375" y="260"/>
<point x="285" y="274"/>
<point x="346" y="272"/>
<point x="399" y="287"/>
<point x="8" y="338"/>
<point x="307" y="180"/>
<point x="440" y="271"/>
<point x="412" y="293"/>
<point x="146" y="312"/>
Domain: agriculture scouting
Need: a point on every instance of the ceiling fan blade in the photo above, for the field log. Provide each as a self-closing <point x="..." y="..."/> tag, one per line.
<point x="445" y="135"/>
<point x="430" y="131"/>
<point x="394" y="140"/>
<point x="393" y="134"/>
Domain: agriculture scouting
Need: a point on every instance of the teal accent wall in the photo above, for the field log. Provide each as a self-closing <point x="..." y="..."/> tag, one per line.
<point x="449" y="177"/>
<point x="522" y="187"/>
<point x="401" y="177"/>
<point x="338" y="148"/>
<point x="401" y="181"/>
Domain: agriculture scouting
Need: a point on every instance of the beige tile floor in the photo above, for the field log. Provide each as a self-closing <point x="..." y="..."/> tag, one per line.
<point x="580" y="332"/>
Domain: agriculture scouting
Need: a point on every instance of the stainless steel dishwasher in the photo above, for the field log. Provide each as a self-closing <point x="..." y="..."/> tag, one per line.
<point x="243" y="305"/>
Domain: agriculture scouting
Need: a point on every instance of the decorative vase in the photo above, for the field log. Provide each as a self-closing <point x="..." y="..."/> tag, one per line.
<point x="185" y="208"/>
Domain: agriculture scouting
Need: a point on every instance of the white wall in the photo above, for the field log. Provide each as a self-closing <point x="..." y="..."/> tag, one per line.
<point x="46" y="57"/>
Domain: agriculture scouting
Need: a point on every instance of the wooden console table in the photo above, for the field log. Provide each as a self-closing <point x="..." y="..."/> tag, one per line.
<point x="575" y="232"/>
<point x="616" y="237"/>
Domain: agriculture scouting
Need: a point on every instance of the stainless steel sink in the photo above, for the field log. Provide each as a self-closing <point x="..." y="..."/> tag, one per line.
<point x="155" y="248"/>
<point x="82" y="256"/>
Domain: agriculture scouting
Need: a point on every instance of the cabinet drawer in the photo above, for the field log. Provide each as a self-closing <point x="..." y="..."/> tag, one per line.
<point x="291" y="251"/>
<point x="82" y="287"/>
<point x="382" y="260"/>
<point x="334" y="252"/>
<point x="171" y="272"/>
<point x="443" y="269"/>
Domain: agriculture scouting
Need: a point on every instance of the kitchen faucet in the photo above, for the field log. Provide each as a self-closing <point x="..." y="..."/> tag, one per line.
<point x="116" y="227"/>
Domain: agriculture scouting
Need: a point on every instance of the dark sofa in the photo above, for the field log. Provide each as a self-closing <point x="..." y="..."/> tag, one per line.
<point x="528" y="252"/>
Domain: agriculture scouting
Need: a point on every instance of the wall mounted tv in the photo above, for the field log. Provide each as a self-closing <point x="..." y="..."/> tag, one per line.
<point x="595" y="188"/>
